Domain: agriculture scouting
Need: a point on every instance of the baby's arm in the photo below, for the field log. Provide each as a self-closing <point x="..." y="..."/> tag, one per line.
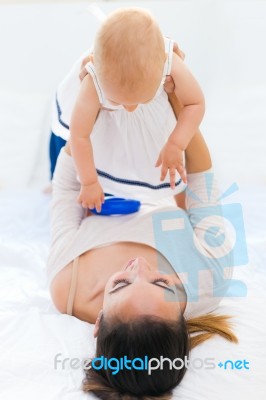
<point x="191" y="111"/>
<point x="190" y="95"/>
<point x="82" y="121"/>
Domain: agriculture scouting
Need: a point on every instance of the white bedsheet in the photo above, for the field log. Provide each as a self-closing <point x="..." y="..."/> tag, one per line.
<point x="224" y="44"/>
<point x="33" y="332"/>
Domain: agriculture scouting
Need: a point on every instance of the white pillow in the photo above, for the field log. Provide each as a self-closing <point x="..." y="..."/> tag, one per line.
<point x="21" y="129"/>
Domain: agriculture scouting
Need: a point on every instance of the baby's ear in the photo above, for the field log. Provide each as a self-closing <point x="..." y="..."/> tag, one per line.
<point x="97" y="324"/>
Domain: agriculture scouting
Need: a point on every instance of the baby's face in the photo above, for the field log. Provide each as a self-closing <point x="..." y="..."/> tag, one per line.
<point x="130" y="100"/>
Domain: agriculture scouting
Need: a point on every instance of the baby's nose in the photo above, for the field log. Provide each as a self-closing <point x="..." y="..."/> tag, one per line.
<point x="130" y="108"/>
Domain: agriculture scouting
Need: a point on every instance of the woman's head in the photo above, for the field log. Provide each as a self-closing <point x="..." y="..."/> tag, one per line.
<point x="129" y="56"/>
<point x="140" y="289"/>
<point x="140" y="337"/>
<point x="142" y="317"/>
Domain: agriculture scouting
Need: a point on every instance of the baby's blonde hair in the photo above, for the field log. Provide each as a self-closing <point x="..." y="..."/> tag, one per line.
<point x="129" y="50"/>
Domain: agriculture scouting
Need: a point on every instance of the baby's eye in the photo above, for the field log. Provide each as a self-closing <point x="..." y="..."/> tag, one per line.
<point x="113" y="102"/>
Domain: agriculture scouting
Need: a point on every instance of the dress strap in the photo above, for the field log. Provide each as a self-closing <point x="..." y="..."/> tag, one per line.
<point x="91" y="70"/>
<point x="169" y="45"/>
<point x="73" y="287"/>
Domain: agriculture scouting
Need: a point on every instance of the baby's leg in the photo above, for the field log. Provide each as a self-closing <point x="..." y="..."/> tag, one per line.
<point x="55" y="145"/>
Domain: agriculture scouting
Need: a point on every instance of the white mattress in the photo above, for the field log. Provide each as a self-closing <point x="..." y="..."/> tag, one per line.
<point x="223" y="41"/>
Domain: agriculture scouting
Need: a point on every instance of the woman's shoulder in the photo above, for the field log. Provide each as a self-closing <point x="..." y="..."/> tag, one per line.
<point x="60" y="286"/>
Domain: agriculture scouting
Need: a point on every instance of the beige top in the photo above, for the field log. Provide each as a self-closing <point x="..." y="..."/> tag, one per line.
<point x="187" y="240"/>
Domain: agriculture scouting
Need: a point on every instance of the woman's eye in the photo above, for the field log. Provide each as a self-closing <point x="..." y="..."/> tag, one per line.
<point x="118" y="281"/>
<point x="123" y="282"/>
<point x="165" y="281"/>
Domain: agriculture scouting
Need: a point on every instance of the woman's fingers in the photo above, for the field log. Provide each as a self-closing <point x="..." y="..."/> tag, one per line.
<point x="83" y="73"/>
<point x="169" y="85"/>
<point x="178" y="51"/>
<point x="86" y="60"/>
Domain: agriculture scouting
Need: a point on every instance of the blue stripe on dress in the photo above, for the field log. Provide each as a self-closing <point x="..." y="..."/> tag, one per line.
<point x="135" y="183"/>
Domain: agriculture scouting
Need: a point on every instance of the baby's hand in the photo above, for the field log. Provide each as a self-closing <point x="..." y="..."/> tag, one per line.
<point x="91" y="196"/>
<point x="171" y="158"/>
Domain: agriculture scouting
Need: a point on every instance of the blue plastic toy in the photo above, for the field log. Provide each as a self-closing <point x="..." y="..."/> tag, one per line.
<point x="118" y="205"/>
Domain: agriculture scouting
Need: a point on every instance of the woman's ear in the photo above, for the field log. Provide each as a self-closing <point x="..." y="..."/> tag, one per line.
<point x="97" y="324"/>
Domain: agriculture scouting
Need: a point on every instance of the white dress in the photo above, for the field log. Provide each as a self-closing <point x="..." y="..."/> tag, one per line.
<point x="126" y="145"/>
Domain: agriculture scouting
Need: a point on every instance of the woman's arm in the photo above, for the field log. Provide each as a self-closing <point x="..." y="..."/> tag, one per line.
<point x="201" y="198"/>
<point x="66" y="213"/>
<point x="197" y="155"/>
<point x="204" y="208"/>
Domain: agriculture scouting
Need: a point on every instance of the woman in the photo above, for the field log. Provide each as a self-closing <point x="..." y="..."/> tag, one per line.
<point x="148" y="280"/>
<point x="121" y="280"/>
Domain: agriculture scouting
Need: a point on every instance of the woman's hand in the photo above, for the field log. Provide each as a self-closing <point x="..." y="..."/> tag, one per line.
<point x="91" y="196"/>
<point x="169" y="85"/>
<point x="178" y="51"/>
<point x="83" y="71"/>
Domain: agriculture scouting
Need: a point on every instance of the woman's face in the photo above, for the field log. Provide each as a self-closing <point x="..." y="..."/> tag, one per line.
<point x="139" y="288"/>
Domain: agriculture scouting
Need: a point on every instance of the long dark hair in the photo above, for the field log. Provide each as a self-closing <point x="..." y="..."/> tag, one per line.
<point x="154" y="337"/>
<point x="145" y="336"/>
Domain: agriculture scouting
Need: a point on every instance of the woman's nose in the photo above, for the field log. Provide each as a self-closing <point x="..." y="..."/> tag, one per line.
<point x="140" y="266"/>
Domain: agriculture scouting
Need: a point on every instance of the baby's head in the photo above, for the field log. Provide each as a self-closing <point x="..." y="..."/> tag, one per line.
<point x="129" y="56"/>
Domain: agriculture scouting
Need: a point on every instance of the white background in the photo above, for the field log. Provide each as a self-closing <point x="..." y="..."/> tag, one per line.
<point x="224" y="45"/>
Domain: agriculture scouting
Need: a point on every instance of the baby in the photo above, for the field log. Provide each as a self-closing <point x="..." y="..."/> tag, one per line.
<point x="122" y="125"/>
